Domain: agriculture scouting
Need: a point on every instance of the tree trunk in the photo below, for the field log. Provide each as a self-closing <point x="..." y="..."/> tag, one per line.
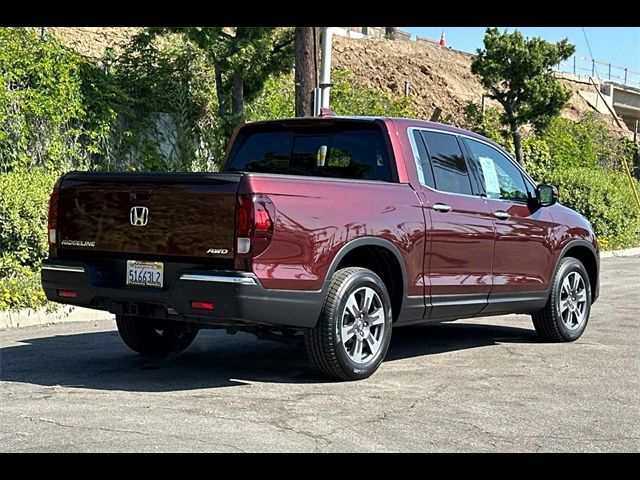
<point x="305" y="76"/>
<point x="390" y="32"/>
<point x="517" y="143"/>
<point x="222" y="104"/>
<point x="237" y="95"/>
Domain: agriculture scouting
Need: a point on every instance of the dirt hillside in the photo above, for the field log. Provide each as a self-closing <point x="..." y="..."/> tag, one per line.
<point x="437" y="76"/>
<point x="92" y="41"/>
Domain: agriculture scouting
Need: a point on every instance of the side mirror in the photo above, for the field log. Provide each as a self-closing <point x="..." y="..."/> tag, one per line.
<point x="547" y="195"/>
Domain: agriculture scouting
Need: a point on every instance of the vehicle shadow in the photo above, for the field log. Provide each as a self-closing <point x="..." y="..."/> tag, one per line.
<point x="101" y="361"/>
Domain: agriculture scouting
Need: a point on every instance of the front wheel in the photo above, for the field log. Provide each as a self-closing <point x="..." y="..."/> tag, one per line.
<point x="155" y="338"/>
<point x="565" y="316"/>
<point x="353" y="332"/>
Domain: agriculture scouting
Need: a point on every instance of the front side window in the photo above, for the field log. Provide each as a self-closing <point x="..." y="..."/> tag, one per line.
<point x="500" y="178"/>
<point x="449" y="166"/>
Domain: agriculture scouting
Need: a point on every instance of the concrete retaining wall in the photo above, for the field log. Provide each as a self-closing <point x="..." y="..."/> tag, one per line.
<point x="29" y="317"/>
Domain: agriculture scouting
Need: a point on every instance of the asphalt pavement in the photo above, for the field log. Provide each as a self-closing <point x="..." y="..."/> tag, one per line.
<point x="483" y="385"/>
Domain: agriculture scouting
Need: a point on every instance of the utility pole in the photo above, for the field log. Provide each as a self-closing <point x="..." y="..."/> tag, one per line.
<point x="305" y="74"/>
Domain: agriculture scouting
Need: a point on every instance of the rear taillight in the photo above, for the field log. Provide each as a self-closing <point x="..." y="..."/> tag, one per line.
<point x="53" y="216"/>
<point x="255" y="219"/>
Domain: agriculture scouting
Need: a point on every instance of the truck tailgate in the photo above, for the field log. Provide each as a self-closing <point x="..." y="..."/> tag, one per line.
<point x="190" y="215"/>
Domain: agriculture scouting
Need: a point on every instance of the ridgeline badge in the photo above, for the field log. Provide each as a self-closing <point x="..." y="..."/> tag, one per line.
<point x="78" y="243"/>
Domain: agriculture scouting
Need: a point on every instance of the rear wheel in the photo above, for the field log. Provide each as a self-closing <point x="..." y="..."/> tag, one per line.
<point x="155" y="338"/>
<point x="353" y="333"/>
<point x="565" y="316"/>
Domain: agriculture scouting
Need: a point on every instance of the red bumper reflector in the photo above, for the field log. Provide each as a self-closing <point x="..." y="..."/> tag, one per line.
<point x="67" y="293"/>
<point x="202" y="305"/>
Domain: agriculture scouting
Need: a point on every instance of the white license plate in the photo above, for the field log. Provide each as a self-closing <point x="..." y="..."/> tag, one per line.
<point x="145" y="274"/>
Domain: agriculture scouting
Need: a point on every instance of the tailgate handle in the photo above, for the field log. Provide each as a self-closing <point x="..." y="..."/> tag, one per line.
<point x="140" y="196"/>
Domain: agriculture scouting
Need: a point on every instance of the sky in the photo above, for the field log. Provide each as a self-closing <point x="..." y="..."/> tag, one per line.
<point x="617" y="45"/>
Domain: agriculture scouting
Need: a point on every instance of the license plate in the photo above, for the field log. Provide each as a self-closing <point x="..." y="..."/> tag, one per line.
<point x="145" y="274"/>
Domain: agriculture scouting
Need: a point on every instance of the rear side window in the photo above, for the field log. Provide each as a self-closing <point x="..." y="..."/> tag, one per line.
<point x="449" y="166"/>
<point x="423" y="166"/>
<point x="332" y="150"/>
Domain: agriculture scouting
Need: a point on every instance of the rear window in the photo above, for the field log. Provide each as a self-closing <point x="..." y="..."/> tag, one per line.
<point x="449" y="167"/>
<point x="348" y="150"/>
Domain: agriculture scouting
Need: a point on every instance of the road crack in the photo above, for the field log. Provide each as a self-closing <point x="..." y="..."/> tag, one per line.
<point x="123" y="430"/>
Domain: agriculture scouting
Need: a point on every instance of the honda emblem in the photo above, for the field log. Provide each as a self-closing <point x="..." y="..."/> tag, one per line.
<point x="139" y="216"/>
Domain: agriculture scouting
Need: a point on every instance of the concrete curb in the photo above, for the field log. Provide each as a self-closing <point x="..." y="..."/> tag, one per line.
<point x="28" y="317"/>
<point x="629" y="252"/>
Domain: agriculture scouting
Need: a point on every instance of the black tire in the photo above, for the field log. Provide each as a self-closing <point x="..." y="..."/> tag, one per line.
<point x="324" y="343"/>
<point x="155" y="338"/>
<point x="549" y="322"/>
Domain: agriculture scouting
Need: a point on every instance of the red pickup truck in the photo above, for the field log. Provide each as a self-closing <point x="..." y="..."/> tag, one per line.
<point x="335" y="229"/>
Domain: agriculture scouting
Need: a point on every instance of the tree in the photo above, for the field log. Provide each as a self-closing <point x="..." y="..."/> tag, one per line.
<point x="305" y="71"/>
<point x="243" y="59"/>
<point x="390" y="32"/>
<point x="516" y="71"/>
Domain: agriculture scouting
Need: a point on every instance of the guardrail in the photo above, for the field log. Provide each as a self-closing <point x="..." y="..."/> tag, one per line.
<point x="604" y="71"/>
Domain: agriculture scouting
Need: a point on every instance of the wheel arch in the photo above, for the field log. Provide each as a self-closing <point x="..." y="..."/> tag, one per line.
<point x="380" y="256"/>
<point x="587" y="255"/>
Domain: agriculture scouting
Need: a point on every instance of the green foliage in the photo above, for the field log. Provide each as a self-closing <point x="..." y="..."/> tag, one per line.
<point x="40" y="102"/>
<point x="163" y="93"/>
<point x="605" y="198"/>
<point x="517" y="73"/>
<point x="24" y="203"/>
<point x="21" y="291"/>
<point x="584" y="160"/>
<point x="587" y="142"/>
<point x="348" y="97"/>
<point x="243" y="59"/>
<point x="24" y="199"/>
<point x="488" y="124"/>
<point x="277" y="100"/>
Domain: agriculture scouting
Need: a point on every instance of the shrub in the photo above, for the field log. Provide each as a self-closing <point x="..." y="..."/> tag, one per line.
<point x="604" y="198"/>
<point x="21" y="291"/>
<point x="24" y="205"/>
<point x="349" y="97"/>
<point x="164" y="93"/>
<point x="41" y="103"/>
<point x="587" y="142"/>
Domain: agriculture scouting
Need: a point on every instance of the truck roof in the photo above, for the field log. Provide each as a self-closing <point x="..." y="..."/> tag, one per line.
<point x="398" y="121"/>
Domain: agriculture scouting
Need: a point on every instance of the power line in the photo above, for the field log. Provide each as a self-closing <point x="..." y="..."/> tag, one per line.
<point x="593" y="60"/>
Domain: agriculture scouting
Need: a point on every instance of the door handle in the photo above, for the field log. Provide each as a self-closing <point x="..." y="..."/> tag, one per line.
<point x="442" y="207"/>
<point x="501" y="214"/>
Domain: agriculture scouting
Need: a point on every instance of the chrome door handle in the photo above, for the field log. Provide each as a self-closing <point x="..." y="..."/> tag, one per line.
<point x="441" y="207"/>
<point x="502" y="215"/>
